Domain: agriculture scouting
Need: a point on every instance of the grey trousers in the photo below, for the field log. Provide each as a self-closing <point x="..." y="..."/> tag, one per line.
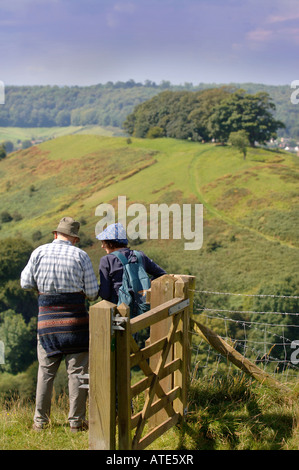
<point x="76" y="364"/>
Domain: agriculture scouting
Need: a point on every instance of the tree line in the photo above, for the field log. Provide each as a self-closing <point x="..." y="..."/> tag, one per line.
<point x="212" y="114"/>
<point x="109" y="104"/>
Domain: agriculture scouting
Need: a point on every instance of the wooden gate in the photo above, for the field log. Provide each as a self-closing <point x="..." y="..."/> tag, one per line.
<point x="164" y="362"/>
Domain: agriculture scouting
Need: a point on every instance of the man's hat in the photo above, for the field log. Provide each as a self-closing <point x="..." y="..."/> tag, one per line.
<point x="68" y="226"/>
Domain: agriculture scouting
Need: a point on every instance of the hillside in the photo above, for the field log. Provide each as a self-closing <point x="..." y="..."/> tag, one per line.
<point x="250" y="206"/>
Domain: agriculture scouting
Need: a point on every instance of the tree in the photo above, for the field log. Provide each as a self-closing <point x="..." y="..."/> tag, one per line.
<point x="14" y="254"/>
<point x="63" y="118"/>
<point x="8" y="146"/>
<point x="2" y="152"/>
<point x="20" y="341"/>
<point x="239" y="140"/>
<point x="155" y="132"/>
<point x="179" y="114"/>
<point x="206" y="102"/>
<point x="26" y="144"/>
<point x="242" y="111"/>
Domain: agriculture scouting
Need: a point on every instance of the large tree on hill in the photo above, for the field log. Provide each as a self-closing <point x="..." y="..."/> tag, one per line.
<point x="206" y="115"/>
<point x="242" y="111"/>
<point x="179" y="114"/>
<point x="206" y="102"/>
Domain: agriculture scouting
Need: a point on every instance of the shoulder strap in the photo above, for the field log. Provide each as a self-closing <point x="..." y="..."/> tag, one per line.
<point x="120" y="256"/>
<point x="139" y="257"/>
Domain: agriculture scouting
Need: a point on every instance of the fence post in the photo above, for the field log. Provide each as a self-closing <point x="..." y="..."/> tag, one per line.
<point x="101" y="377"/>
<point x="123" y="381"/>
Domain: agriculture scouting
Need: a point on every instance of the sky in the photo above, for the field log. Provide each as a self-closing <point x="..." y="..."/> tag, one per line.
<point x="86" y="42"/>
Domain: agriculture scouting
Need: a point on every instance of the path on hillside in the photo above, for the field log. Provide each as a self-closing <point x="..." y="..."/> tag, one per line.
<point x="194" y="178"/>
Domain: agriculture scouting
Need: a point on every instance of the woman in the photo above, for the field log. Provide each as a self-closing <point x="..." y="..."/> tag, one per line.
<point x="114" y="238"/>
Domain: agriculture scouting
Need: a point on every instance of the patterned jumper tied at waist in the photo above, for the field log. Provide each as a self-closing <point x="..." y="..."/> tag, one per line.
<point x="63" y="323"/>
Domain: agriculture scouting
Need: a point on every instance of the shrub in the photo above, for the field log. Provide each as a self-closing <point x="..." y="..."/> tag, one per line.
<point x="155" y="132"/>
<point x="36" y="235"/>
<point x="5" y="217"/>
<point x="2" y="152"/>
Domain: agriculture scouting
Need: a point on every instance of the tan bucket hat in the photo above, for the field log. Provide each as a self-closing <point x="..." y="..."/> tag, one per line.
<point x="68" y="226"/>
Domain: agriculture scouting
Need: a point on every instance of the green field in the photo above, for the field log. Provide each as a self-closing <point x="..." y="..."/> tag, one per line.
<point x="15" y="134"/>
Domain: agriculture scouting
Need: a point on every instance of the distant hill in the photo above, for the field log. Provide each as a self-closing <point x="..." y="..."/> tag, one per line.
<point x="110" y="104"/>
<point x="250" y="206"/>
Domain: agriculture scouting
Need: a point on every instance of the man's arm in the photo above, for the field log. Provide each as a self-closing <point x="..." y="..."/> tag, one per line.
<point x="27" y="277"/>
<point x="91" y="286"/>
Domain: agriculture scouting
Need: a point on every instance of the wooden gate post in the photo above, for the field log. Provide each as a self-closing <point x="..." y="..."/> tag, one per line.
<point x="101" y="377"/>
<point x="123" y="380"/>
<point x="162" y="290"/>
<point x="182" y="349"/>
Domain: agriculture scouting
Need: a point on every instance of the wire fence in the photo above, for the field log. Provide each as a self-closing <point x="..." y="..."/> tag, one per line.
<point x="268" y="338"/>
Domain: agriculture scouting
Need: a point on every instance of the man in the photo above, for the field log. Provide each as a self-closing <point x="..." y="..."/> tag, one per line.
<point x="64" y="277"/>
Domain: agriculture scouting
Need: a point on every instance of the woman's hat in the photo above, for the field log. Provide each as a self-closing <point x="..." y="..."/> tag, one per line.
<point x="68" y="226"/>
<point x="114" y="232"/>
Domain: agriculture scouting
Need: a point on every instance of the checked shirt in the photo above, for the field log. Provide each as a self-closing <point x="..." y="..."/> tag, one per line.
<point x="60" y="267"/>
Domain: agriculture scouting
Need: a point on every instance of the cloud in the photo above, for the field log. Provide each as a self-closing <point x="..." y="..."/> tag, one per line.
<point x="278" y="28"/>
<point x="283" y="12"/>
<point x="119" y="13"/>
<point x="125" y="7"/>
<point x="259" y="35"/>
<point x="282" y="18"/>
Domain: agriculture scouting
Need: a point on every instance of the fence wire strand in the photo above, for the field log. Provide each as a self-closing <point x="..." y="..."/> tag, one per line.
<point x="262" y="341"/>
<point x="245" y="295"/>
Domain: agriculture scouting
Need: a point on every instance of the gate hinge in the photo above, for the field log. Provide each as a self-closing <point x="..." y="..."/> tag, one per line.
<point x="180" y="306"/>
<point x="118" y="323"/>
<point x="82" y="379"/>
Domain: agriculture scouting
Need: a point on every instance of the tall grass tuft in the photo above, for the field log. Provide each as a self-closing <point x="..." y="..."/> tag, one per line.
<point x="16" y="433"/>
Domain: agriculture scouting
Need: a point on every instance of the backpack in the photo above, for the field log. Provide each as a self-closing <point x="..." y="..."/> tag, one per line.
<point x="135" y="282"/>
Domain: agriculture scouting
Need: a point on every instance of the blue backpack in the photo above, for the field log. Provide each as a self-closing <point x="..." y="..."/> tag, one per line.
<point x="135" y="283"/>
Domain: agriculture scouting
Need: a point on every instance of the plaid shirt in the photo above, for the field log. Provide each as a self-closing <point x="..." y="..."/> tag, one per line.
<point x="60" y="267"/>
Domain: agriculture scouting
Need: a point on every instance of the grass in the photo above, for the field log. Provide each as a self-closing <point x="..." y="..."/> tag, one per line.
<point x="232" y="413"/>
<point x="14" y="134"/>
<point x="224" y="413"/>
<point x="16" y="431"/>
